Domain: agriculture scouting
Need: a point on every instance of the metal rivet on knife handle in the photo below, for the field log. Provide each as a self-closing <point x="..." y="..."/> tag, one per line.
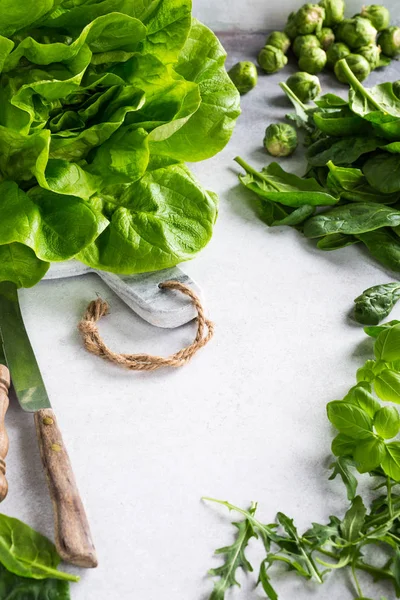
<point x="4" y="387"/>
<point x="73" y="539"/>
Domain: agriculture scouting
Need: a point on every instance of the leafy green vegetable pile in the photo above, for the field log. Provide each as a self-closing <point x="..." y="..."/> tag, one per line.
<point x="367" y="442"/>
<point x="101" y="103"/>
<point x="353" y="177"/>
<point x="28" y="564"/>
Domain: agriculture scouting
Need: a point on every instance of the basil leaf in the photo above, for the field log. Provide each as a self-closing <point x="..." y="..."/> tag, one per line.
<point x="387" y="345"/>
<point x="352" y="219"/>
<point x="375" y="331"/>
<point x="368" y="454"/>
<point x="354" y="520"/>
<point x="349" y="419"/>
<point x="376" y="303"/>
<point x="387" y="422"/>
<point x="387" y="385"/>
<point x="360" y="395"/>
<point x="391" y="460"/>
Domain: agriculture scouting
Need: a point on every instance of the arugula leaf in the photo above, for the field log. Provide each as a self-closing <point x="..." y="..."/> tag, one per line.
<point x="265" y="581"/>
<point x="234" y="559"/>
<point x="353" y="520"/>
<point x="376" y="303"/>
<point x="342" y="466"/>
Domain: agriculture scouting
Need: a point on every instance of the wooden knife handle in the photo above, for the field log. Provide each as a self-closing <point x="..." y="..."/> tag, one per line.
<point x="4" y="402"/>
<point x="72" y="533"/>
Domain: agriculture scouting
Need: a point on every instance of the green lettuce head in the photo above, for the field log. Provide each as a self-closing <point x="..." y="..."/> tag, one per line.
<point x="389" y="41"/>
<point x="378" y="15"/>
<point x="357" y="63"/>
<point x="271" y="59"/>
<point x="102" y="105"/>
<point x="334" y="12"/>
<point x="305" y="86"/>
<point x="280" y="139"/>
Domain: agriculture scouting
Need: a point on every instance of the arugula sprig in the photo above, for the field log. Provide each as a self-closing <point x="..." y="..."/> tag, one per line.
<point x="366" y="443"/>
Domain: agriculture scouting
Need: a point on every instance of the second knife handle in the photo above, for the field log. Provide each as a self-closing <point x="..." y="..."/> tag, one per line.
<point x="72" y="533"/>
<point x="4" y="402"/>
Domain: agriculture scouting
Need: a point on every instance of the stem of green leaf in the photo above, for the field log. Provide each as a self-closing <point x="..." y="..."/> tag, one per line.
<point x="357" y="583"/>
<point x="389" y="493"/>
<point x="249" y="169"/>
<point x="355" y="84"/>
<point x="291" y="94"/>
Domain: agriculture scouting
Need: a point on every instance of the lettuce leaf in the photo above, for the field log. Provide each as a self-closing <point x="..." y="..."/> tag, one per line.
<point x="101" y="104"/>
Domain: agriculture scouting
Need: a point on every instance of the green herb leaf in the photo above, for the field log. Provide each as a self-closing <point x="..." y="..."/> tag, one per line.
<point x="387" y="345"/>
<point x="375" y="331"/>
<point x="27" y="553"/>
<point x="387" y="422"/>
<point x="350" y="419"/>
<point x="342" y="467"/>
<point x="376" y="303"/>
<point x="391" y="460"/>
<point x="387" y="386"/>
<point x="265" y="581"/>
<point x="354" y="520"/>
<point x="360" y="395"/>
<point x="368" y="454"/>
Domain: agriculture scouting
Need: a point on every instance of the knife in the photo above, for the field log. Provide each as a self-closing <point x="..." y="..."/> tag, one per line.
<point x="4" y="387"/>
<point x="72" y="533"/>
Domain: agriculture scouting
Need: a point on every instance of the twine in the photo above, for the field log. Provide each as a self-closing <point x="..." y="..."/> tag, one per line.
<point x="144" y="362"/>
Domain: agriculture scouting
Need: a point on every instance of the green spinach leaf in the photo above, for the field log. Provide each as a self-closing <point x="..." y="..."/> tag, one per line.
<point x="376" y="303"/>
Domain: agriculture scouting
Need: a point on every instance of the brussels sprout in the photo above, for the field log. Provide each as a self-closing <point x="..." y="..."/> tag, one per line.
<point x="378" y="15"/>
<point x="280" y="40"/>
<point x="389" y="41"/>
<point x="291" y="27"/>
<point x="280" y="139"/>
<point x="356" y="32"/>
<point x="271" y="59"/>
<point x="303" y="43"/>
<point x="309" y="18"/>
<point x="357" y="63"/>
<point x="336" y="52"/>
<point x="244" y="76"/>
<point x="334" y="11"/>
<point x="326" y="37"/>
<point x="372" y="53"/>
<point x="313" y="61"/>
<point x="305" y="86"/>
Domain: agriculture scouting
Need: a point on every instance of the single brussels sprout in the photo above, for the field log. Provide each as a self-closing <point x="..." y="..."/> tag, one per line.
<point x="389" y="41"/>
<point x="305" y="86"/>
<point x="326" y="37"/>
<point x="280" y="40"/>
<point x="303" y="43"/>
<point x="334" y="11"/>
<point x="378" y="15"/>
<point x="372" y="53"/>
<point x="336" y="52"/>
<point x="356" y="32"/>
<point x="313" y="61"/>
<point x="291" y="27"/>
<point x="271" y="59"/>
<point x="357" y="63"/>
<point x="244" y="76"/>
<point x="280" y="139"/>
<point x="309" y="18"/>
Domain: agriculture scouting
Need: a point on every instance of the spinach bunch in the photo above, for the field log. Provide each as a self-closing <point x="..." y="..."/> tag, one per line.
<point x="351" y="191"/>
<point x="102" y="103"/>
<point x="368" y="441"/>
<point x="28" y="564"/>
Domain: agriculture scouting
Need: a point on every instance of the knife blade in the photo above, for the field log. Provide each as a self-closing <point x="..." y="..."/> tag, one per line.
<point x="72" y="533"/>
<point x="4" y="402"/>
